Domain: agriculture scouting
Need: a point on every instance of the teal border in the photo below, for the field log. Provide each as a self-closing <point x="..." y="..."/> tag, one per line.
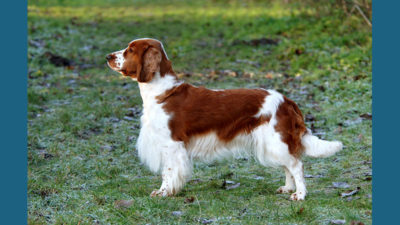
<point x="385" y="111"/>
<point x="13" y="109"/>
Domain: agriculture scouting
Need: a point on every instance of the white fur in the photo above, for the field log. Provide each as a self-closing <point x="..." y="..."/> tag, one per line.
<point x="119" y="60"/>
<point x="208" y="148"/>
<point x="271" y="103"/>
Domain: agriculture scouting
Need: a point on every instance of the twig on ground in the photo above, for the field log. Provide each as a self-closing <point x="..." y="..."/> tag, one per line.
<point x="363" y="15"/>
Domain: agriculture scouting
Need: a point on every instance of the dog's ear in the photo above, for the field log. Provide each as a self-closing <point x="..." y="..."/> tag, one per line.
<point x="165" y="65"/>
<point x="149" y="65"/>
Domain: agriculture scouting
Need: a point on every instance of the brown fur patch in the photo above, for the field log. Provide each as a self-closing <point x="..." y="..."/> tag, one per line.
<point x="197" y="110"/>
<point x="290" y="125"/>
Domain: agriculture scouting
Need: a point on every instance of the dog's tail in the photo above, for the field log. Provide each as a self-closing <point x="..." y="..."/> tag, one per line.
<point x="315" y="147"/>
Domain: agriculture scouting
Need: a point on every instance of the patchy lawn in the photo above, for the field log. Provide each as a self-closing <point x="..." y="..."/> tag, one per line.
<point x="84" y="119"/>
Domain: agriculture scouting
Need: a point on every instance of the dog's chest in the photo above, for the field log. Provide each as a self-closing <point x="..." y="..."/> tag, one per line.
<point x="154" y="119"/>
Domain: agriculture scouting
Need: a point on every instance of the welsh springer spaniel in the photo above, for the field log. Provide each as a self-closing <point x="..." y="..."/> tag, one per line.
<point x="181" y="122"/>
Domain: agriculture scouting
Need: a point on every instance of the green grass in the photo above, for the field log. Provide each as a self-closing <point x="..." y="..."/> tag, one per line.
<point x="81" y="150"/>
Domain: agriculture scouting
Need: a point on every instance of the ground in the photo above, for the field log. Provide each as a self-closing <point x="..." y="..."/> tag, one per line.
<point x="83" y="118"/>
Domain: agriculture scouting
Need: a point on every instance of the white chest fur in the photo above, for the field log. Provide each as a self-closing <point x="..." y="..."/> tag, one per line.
<point x="154" y="133"/>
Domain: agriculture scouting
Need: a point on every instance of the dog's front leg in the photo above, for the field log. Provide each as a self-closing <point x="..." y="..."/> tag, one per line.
<point x="176" y="170"/>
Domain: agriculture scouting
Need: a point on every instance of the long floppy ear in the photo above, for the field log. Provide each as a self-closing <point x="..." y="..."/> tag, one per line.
<point x="151" y="60"/>
<point x="165" y="65"/>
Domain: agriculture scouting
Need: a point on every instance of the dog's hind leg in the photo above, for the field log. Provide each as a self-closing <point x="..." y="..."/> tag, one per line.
<point x="176" y="169"/>
<point x="271" y="150"/>
<point x="295" y="167"/>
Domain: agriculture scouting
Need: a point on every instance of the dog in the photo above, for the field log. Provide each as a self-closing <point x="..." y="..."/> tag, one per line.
<point x="182" y="122"/>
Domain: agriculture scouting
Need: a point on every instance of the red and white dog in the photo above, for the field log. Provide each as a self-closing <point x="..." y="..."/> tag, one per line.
<point x="181" y="122"/>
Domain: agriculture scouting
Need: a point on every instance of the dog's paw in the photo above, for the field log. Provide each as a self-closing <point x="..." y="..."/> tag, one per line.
<point x="159" y="193"/>
<point x="284" y="189"/>
<point x="298" y="196"/>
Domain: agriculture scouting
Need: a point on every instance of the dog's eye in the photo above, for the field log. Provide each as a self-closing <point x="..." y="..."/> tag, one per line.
<point x="130" y="50"/>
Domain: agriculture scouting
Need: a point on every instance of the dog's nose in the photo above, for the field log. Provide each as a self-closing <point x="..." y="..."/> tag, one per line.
<point x="109" y="56"/>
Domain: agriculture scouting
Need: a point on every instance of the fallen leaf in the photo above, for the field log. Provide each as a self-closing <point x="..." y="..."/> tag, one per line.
<point x="123" y="203"/>
<point x="340" y="185"/>
<point x="248" y="74"/>
<point x="367" y="116"/>
<point x="301" y="210"/>
<point x="357" y="77"/>
<point x="298" y="51"/>
<point x="350" y="193"/>
<point x="368" y="175"/>
<point x="189" y="200"/>
<point x="229" y="73"/>
<point x="269" y="76"/>
<point x="338" y="221"/>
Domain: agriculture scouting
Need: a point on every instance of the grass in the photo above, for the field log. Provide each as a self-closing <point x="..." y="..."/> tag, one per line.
<point x="81" y="146"/>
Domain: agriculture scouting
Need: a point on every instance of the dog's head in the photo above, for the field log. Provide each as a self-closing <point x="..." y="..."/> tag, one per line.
<point x="141" y="60"/>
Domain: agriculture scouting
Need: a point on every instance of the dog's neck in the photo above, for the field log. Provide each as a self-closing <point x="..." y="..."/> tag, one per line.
<point x="157" y="86"/>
